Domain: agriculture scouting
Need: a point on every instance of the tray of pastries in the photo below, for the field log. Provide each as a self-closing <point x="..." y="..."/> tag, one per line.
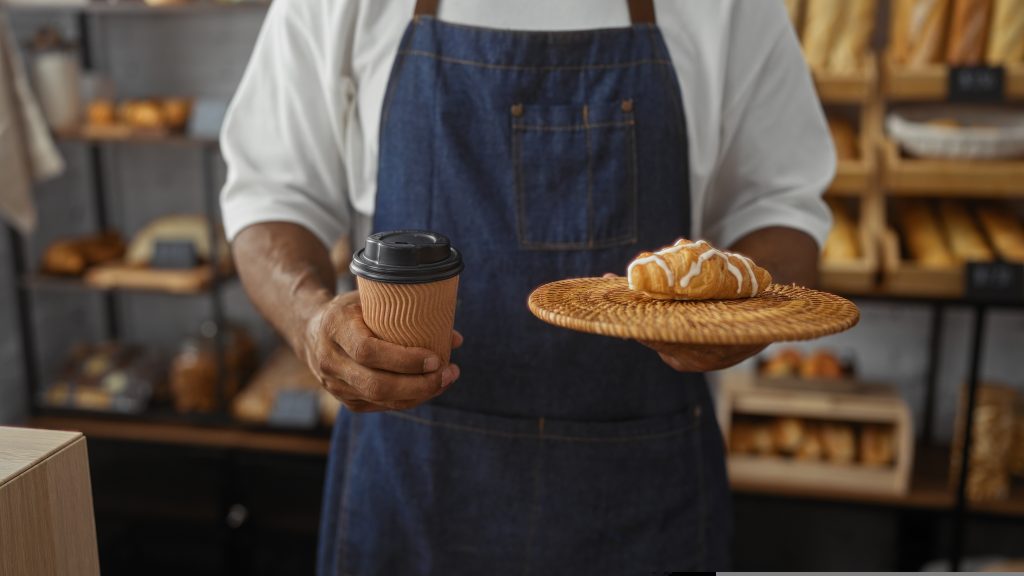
<point x="693" y="293"/>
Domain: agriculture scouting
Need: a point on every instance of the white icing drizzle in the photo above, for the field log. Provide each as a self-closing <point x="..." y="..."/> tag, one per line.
<point x="647" y="259"/>
<point x="753" y="277"/>
<point x="697" y="267"/>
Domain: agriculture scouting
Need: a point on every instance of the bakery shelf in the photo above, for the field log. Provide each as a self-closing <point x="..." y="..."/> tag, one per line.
<point x="135" y="137"/>
<point x="903" y="277"/>
<point x="72" y="284"/>
<point x="853" y="178"/>
<point x="858" y="276"/>
<point x="903" y="176"/>
<point x="136" y="7"/>
<point x="847" y="88"/>
<point x="931" y="83"/>
<point x="182" y="432"/>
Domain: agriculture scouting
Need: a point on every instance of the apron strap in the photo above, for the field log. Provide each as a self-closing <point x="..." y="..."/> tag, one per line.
<point x="640" y="11"/>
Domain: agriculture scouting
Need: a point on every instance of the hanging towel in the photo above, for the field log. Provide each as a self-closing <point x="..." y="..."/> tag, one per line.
<point x="27" y="151"/>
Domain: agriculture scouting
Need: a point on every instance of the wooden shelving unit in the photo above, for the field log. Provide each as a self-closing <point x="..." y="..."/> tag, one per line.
<point x="70" y="284"/>
<point x="955" y="178"/>
<point x="931" y="83"/>
<point x="848" y="88"/>
<point x="134" y="138"/>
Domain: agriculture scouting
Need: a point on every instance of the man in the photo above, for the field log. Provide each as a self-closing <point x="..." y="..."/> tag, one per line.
<point x="547" y="140"/>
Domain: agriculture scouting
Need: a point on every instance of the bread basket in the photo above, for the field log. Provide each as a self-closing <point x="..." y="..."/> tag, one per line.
<point x="980" y="133"/>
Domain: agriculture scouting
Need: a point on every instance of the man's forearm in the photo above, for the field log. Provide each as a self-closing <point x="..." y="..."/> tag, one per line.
<point x="287" y="274"/>
<point x="789" y="254"/>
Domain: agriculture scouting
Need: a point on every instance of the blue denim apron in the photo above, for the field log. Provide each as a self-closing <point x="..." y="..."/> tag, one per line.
<point x="542" y="155"/>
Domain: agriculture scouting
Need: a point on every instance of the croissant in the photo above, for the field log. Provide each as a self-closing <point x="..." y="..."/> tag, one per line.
<point x="696" y="271"/>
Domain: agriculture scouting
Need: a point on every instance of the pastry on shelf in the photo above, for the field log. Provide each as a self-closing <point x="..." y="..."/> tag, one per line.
<point x="822" y="22"/>
<point x="839" y="443"/>
<point x="71" y="257"/>
<point x="821" y="364"/>
<point x="1004" y="230"/>
<point x="194" y="378"/>
<point x="786" y="363"/>
<point x="841" y="245"/>
<point x="695" y="270"/>
<point x="968" y="31"/>
<point x="787" y="435"/>
<point x="1006" y="35"/>
<point x="964" y="237"/>
<point x="811" y="448"/>
<point x="877" y="445"/>
<point x="922" y="236"/>
<point x="918" y="29"/>
<point x="101" y="112"/>
<point x="142" y="114"/>
<point x="175" y="112"/>
<point x="108" y="377"/>
<point x="748" y="437"/>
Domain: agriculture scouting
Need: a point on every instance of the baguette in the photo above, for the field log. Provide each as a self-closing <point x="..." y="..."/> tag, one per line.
<point x="923" y="237"/>
<point x="851" y="46"/>
<point x="962" y="234"/>
<point x="1005" y="232"/>
<point x="918" y="30"/>
<point x="968" y="29"/>
<point x="1006" y="36"/>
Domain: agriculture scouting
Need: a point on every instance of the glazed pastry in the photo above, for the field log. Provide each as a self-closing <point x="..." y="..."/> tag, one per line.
<point x="918" y="28"/>
<point x="787" y="435"/>
<point x="821" y="25"/>
<point x="967" y="32"/>
<point x="850" y="48"/>
<point x="923" y="237"/>
<point x="877" y="446"/>
<point x="841" y="244"/>
<point x="1006" y="35"/>
<point x="696" y="271"/>
<point x="811" y="448"/>
<point x="838" y="443"/>
<point x="964" y="237"/>
<point x="1005" y="232"/>
<point x="844" y="138"/>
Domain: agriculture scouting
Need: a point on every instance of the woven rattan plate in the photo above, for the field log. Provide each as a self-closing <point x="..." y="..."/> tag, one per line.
<point x="608" y="307"/>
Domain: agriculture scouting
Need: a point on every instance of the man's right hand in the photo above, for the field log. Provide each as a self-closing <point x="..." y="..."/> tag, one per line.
<point x="366" y="373"/>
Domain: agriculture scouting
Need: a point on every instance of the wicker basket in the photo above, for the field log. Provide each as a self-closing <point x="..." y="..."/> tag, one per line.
<point x="983" y="133"/>
<point x="991" y="441"/>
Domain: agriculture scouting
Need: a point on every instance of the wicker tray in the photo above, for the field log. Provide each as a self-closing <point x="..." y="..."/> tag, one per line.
<point x="608" y="307"/>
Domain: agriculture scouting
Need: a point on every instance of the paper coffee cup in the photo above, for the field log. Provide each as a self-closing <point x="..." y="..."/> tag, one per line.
<point x="408" y="283"/>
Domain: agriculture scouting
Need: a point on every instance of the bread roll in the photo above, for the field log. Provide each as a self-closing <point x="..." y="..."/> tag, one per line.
<point x="839" y="443"/>
<point x="962" y="234"/>
<point x="821" y="364"/>
<point x="1005" y="231"/>
<point x="918" y="30"/>
<point x="850" y="49"/>
<point x="923" y="237"/>
<point x="967" y="32"/>
<point x="821" y="25"/>
<point x="787" y="435"/>
<point x="71" y="257"/>
<point x="842" y="245"/>
<point x="1006" y="34"/>
<point x="877" y="445"/>
<point x="811" y="448"/>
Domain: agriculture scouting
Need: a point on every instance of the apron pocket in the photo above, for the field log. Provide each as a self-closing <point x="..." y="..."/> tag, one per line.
<point x="443" y="491"/>
<point x="575" y="169"/>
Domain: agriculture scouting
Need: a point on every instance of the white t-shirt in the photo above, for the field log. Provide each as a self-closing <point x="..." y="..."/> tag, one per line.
<point x="301" y="135"/>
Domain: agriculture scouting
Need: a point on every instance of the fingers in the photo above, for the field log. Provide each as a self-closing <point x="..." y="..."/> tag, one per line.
<point x="456" y="339"/>
<point x="366" y="390"/>
<point x="610" y="275"/>
<point x="356" y="339"/>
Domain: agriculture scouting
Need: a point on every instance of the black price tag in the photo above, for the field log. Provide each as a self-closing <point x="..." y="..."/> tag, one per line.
<point x="294" y="409"/>
<point x="174" y="254"/>
<point x="976" y="84"/>
<point x="999" y="281"/>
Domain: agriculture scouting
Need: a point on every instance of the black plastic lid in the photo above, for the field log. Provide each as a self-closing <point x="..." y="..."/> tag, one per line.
<point x="407" y="257"/>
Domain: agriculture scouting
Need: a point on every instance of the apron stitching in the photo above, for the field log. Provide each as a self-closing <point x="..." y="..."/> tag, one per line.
<point x="344" y="521"/>
<point x="527" y="436"/>
<point x="451" y="60"/>
<point x="538" y="470"/>
<point x="590" y="177"/>
<point x="573" y="127"/>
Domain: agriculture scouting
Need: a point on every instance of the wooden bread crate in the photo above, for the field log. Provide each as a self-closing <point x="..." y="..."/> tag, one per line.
<point x="931" y="83"/>
<point x="860" y="276"/>
<point x="857" y="177"/>
<point x="742" y="395"/>
<point x="901" y="276"/>
<point x="902" y="176"/>
<point x="46" y="517"/>
<point x="855" y="88"/>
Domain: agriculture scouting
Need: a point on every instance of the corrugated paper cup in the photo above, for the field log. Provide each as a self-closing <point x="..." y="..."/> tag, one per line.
<point x="408" y="285"/>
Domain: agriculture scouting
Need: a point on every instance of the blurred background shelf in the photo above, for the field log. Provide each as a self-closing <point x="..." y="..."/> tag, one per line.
<point x="957" y="178"/>
<point x="847" y="88"/>
<point x="931" y="83"/>
<point x="70" y="284"/>
<point x="134" y="138"/>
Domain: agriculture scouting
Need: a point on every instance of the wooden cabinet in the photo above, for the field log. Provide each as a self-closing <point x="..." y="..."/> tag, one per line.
<point x="46" y="515"/>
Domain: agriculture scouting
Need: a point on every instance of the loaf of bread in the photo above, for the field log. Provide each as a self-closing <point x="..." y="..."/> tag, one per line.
<point x="850" y="48"/>
<point x="821" y="26"/>
<point x="1006" y="33"/>
<point x="922" y="236"/>
<point x="787" y="435"/>
<point x="72" y="256"/>
<point x="1004" y="231"/>
<point x="841" y="246"/>
<point x="811" y="448"/>
<point x="877" y="445"/>
<point x="821" y="364"/>
<point x="839" y="443"/>
<point x="968" y="28"/>
<point x="917" y="31"/>
<point x="963" y="235"/>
